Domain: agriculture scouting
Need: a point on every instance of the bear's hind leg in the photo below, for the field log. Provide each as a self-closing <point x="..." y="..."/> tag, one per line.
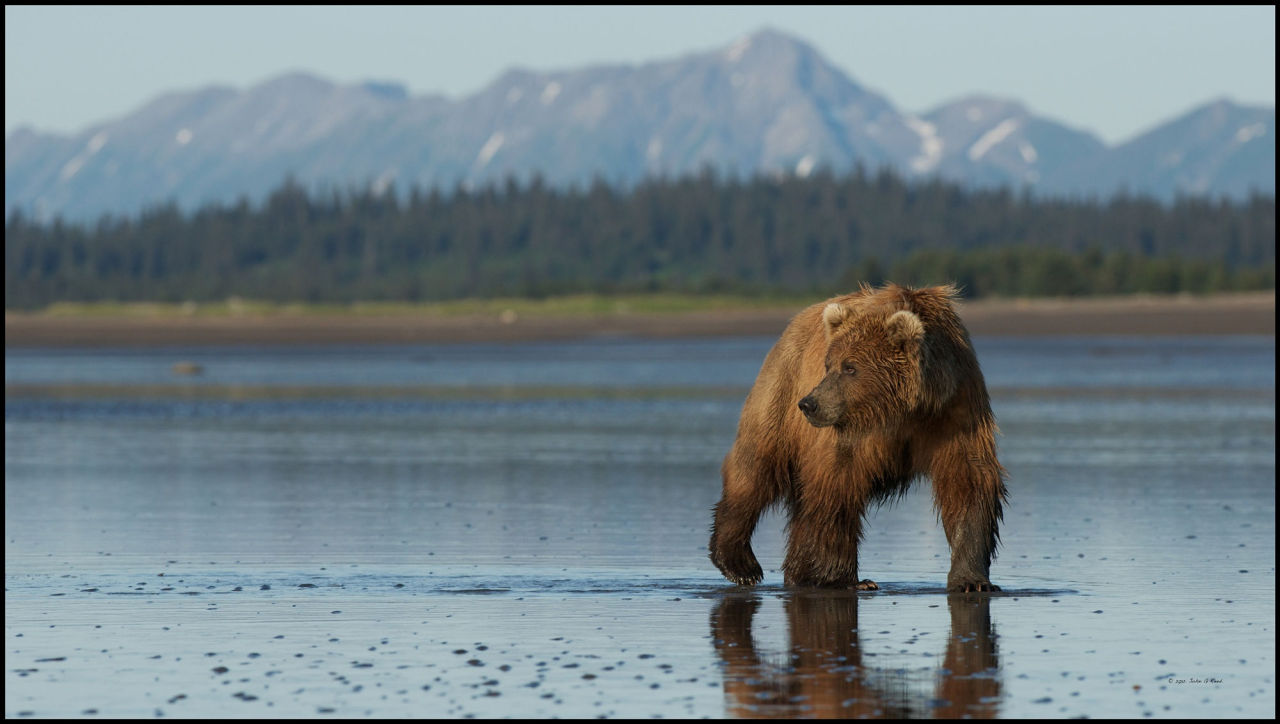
<point x="969" y="493"/>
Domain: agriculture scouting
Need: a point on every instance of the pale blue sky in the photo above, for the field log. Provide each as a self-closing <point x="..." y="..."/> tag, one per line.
<point x="1115" y="71"/>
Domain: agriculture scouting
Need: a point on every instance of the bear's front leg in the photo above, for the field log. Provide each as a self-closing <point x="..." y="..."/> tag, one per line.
<point x="969" y="493"/>
<point x="750" y="484"/>
<point x="731" y="541"/>
<point x="822" y="547"/>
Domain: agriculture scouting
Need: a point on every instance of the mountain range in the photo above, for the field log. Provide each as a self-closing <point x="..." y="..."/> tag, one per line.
<point x="766" y="104"/>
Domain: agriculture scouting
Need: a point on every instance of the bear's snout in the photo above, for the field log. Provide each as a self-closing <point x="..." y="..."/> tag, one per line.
<point x="818" y="409"/>
<point x="808" y="406"/>
<point x="811" y="406"/>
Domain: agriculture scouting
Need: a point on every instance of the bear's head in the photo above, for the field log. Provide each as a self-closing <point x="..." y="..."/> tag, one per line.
<point x="874" y="367"/>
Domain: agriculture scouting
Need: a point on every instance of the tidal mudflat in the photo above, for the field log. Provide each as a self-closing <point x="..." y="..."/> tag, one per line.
<point x="519" y="530"/>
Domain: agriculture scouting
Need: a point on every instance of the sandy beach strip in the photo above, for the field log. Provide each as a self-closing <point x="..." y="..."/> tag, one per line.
<point x="1248" y="313"/>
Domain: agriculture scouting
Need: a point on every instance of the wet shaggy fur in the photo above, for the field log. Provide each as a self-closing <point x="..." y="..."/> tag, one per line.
<point x="862" y="395"/>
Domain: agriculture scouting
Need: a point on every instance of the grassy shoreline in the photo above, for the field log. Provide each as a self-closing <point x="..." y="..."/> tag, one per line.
<point x="568" y="305"/>
<point x="662" y="315"/>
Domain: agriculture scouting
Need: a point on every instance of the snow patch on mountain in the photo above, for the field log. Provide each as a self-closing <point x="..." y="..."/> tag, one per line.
<point x="490" y="148"/>
<point x="930" y="145"/>
<point x="992" y="137"/>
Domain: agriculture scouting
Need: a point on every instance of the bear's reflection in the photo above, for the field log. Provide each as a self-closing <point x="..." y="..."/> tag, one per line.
<point x="825" y="676"/>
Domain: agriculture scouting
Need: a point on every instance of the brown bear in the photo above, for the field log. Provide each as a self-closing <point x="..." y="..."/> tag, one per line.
<point x="863" y="394"/>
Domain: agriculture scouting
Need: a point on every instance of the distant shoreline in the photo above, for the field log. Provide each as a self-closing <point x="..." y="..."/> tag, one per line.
<point x="1244" y="313"/>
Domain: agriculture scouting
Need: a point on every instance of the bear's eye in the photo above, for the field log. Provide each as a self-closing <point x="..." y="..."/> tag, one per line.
<point x="848" y="368"/>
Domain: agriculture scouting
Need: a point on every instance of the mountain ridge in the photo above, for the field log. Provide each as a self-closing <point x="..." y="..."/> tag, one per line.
<point x="767" y="103"/>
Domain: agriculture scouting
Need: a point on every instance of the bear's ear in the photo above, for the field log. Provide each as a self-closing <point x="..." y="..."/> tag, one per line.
<point x="905" y="329"/>
<point x="833" y="316"/>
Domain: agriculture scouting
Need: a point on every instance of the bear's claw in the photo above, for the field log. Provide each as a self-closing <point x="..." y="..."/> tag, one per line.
<point x="743" y="570"/>
<point x="750" y="577"/>
<point x="973" y="587"/>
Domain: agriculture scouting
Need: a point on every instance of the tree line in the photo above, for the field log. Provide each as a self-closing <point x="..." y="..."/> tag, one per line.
<point x="816" y="235"/>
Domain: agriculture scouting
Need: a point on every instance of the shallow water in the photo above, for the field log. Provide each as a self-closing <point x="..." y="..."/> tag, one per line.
<point x="520" y="531"/>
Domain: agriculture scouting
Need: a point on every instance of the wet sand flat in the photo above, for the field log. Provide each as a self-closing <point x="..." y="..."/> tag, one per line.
<point x="1091" y="628"/>
<point x="1252" y="313"/>
<point x="527" y="539"/>
<point x="543" y="643"/>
